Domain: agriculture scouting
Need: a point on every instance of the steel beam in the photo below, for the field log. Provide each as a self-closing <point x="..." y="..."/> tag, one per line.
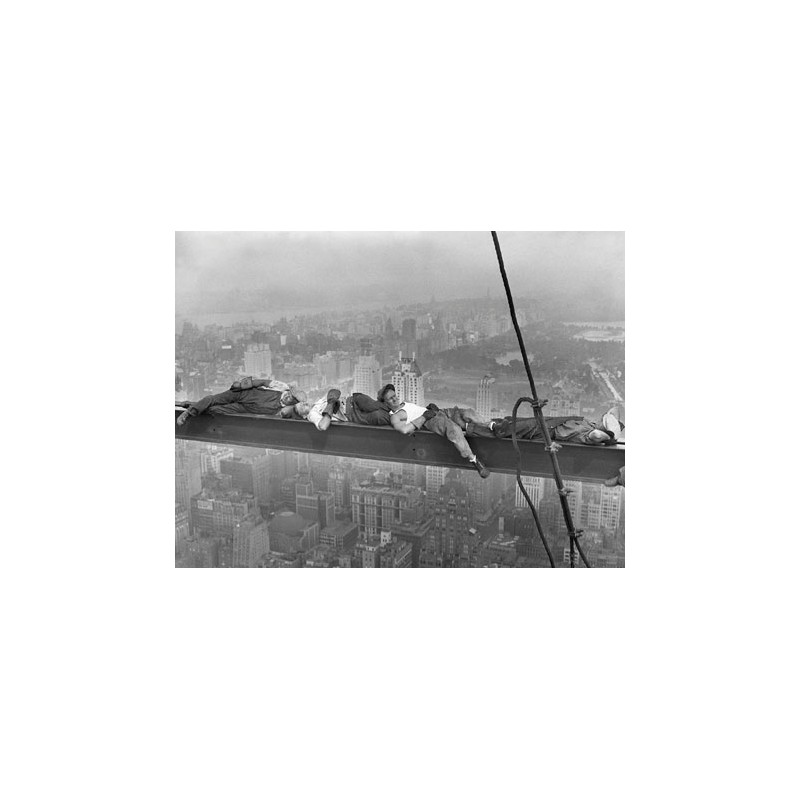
<point x="577" y="462"/>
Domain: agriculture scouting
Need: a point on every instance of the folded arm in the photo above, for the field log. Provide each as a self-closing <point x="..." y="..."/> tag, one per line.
<point x="409" y="427"/>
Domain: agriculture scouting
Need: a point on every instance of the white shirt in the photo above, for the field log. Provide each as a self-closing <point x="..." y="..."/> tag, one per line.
<point x="413" y="411"/>
<point x="315" y="414"/>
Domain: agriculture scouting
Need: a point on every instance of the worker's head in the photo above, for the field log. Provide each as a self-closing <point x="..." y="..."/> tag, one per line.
<point x="301" y="409"/>
<point x="388" y="395"/>
<point x="390" y="398"/>
<point x="295" y="411"/>
<point x="293" y="395"/>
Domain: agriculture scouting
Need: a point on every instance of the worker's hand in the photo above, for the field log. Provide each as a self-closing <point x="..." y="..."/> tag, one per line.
<point x="241" y="385"/>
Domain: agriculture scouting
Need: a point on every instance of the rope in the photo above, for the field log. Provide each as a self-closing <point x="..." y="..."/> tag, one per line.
<point x="537" y="410"/>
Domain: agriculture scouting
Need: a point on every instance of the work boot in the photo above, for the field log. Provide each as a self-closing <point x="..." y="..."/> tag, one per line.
<point x="481" y="467"/>
<point x="333" y="401"/>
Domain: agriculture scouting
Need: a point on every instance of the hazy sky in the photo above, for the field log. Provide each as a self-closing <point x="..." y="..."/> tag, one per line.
<point x="322" y="268"/>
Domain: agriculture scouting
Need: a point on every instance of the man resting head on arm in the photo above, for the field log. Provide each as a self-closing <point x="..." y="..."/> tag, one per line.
<point x="409" y="417"/>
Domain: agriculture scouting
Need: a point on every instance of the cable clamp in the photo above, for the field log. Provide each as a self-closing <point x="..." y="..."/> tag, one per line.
<point x="565" y="491"/>
<point x="553" y="448"/>
<point x="578" y="533"/>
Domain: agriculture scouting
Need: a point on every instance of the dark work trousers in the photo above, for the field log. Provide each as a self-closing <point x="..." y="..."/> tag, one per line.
<point x="361" y="408"/>
<point x="242" y="401"/>
<point x="528" y="427"/>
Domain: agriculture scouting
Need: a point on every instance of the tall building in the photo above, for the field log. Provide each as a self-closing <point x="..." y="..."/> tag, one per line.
<point x="211" y="457"/>
<point x="487" y="396"/>
<point x="611" y="506"/>
<point x="339" y="480"/>
<point x="367" y="376"/>
<point x="412" y="474"/>
<point x="407" y="380"/>
<point x="314" y="506"/>
<point x="302" y="462"/>
<point x="250" y="542"/>
<point x="378" y="507"/>
<point x="535" y="489"/>
<point x="258" y="360"/>
<point x="188" y="475"/>
<point x="452" y="541"/>
<point x="434" y="479"/>
<point x="181" y="525"/>
<point x="213" y="513"/>
<point x="249" y="474"/>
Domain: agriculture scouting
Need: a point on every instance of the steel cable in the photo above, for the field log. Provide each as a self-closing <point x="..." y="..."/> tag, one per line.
<point x="537" y="410"/>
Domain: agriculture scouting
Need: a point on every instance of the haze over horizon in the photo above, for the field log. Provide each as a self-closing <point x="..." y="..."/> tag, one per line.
<point x="578" y="274"/>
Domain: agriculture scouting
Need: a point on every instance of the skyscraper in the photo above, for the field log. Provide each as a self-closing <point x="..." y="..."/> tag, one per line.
<point x="188" y="476"/>
<point x="250" y="542"/>
<point x="534" y="487"/>
<point x="487" y="396"/>
<point x="367" y="376"/>
<point x="258" y="360"/>
<point x="249" y="474"/>
<point x="407" y="380"/>
<point x="434" y="478"/>
<point x="610" y="506"/>
<point x="378" y="507"/>
<point x="339" y="479"/>
<point x="211" y="457"/>
<point x="452" y="541"/>
<point x="213" y="513"/>
<point x="315" y="506"/>
<point x="181" y="525"/>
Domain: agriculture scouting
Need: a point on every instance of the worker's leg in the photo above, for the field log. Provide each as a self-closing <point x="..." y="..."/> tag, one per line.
<point x="261" y="401"/>
<point x="470" y="421"/>
<point x="361" y="408"/>
<point x="221" y="399"/>
<point x="229" y="408"/>
<point x="442" y="425"/>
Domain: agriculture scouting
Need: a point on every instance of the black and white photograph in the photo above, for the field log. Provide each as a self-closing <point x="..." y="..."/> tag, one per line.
<point x="399" y="399"/>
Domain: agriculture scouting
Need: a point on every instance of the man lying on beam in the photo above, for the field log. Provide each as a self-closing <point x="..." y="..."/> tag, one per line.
<point x="577" y="430"/>
<point x="248" y="396"/>
<point x="450" y="423"/>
